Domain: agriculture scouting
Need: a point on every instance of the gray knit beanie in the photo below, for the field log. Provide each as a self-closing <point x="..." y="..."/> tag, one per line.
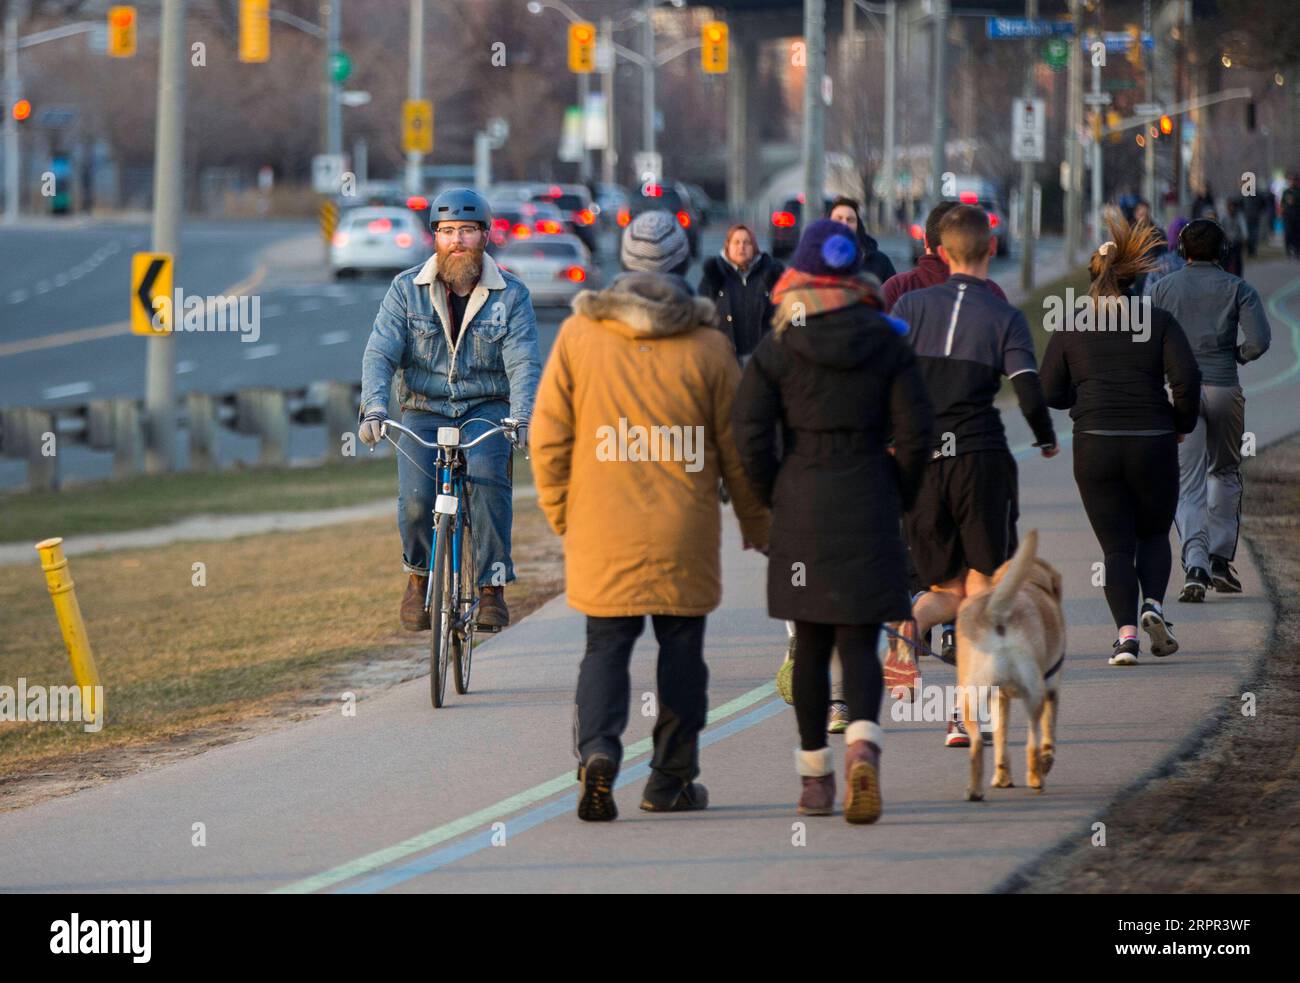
<point x="653" y="242"/>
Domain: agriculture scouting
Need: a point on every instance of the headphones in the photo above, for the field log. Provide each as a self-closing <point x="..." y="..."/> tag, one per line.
<point x="1223" y="239"/>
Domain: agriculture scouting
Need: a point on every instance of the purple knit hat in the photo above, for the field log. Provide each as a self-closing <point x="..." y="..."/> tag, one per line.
<point x="827" y="248"/>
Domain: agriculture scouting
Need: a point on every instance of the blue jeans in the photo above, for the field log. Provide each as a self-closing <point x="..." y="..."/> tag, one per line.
<point x="490" y="507"/>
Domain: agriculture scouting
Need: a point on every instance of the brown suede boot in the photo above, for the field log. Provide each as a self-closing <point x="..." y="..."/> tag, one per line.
<point x="817" y="772"/>
<point x="492" y="610"/>
<point x="415" y="616"/>
<point x="862" y="777"/>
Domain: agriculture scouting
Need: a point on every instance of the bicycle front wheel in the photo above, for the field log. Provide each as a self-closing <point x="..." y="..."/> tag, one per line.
<point x="441" y="612"/>
<point x="462" y="653"/>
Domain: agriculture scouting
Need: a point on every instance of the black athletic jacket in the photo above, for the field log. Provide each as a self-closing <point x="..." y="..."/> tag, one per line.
<point x="966" y="339"/>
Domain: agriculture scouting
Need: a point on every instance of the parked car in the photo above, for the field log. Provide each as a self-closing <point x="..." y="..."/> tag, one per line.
<point x="787" y="225"/>
<point x="371" y="239"/>
<point x="666" y="198"/>
<point x="553" y="267"/>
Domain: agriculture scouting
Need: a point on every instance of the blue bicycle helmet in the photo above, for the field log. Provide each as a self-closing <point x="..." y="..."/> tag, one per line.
<point x="463" y="204"/>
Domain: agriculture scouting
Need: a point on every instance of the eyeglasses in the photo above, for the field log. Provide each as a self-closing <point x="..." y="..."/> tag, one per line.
<point x="460" y="231"/>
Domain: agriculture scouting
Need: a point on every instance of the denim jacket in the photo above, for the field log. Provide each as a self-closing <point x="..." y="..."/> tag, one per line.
<point x="495" y="356"/>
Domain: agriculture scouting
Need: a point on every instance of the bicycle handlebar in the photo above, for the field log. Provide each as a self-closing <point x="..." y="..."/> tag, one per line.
<point x="508" y="426"/>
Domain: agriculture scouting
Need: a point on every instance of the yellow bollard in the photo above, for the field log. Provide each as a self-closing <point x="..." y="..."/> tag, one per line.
<point x="59" y="579"/>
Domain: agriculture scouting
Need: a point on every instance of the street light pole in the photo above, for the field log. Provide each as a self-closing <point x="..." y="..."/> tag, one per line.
<point x="891" y="96"/>
<point x="609" y="155"/>
<point x="1073" y="145"/>
<point x="648" y="82"/>
<point x="12" y="90"/>
<point x="939" y="148"/>
<point x="1027" y="167"/>
<point x="415" y="87"/>
<point x="333" y="116"/>
<point x="814" y="108"/>
<point x="168" y="201"/>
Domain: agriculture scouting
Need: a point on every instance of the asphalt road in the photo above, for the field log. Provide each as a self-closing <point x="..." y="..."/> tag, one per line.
<point x="479" y="796"/>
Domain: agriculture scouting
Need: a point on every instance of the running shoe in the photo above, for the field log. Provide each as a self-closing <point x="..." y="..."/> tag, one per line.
<point x="1158" y="630"/>
<point x="596" y="801"/>
<point x="1125" y="652"/>
<point x="900" y="662"/>
<point x="1194" y="588"/>
<point x="839" y="721"/>
<point x="1223" y="576"/>
<point x="948" y="646"/>
<point x="957" y="736"/>
<point x="785" y="681"/>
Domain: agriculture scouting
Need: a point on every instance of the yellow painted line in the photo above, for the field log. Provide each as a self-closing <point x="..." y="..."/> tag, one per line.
<point x="64" y="338"/>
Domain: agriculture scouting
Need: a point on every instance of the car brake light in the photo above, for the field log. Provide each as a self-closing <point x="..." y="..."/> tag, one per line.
<point x="379" y="225"/>
<point x="417" y="203"/>
<point x="522" y="231"/>
<point x="684" y="220"/>
<point x="340" y="238"/>
<point x="403" y="240"/>
<point x="548" y="226"/>
<point x="993" y="221"/>
<point x="654" y="190"/>
<point x="575" y="274"/>
<point x="783" y="220"/>
<point x="555" y="191"/>
<point x="968" y="197"/>
<point x="624" y="216"/>
<point x="500" y="224"/>
<point x="918" y="233"/>
<point x="584" y="217"/>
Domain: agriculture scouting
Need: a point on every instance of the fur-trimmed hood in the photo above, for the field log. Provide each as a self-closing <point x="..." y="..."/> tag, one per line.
<point x="646" y="305"/>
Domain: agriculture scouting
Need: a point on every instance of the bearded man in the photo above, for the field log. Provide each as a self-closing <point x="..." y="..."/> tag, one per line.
<point x="460" y="335"/>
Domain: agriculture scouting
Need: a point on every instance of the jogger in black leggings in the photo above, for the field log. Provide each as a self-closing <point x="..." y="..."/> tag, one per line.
<point x="1111" y="376"/>
<point x="863" y="680"/>
<point x="1129" y="487"/>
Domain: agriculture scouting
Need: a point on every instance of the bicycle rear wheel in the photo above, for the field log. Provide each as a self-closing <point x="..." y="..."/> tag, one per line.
<point x="462" y="653"/>
<point x="441" y="613"/>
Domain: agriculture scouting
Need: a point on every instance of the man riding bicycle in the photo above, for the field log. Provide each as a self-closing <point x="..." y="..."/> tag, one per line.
<point x="461" y="336"/>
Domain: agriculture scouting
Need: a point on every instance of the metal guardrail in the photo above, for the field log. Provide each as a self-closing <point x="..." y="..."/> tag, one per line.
<point x="118" y="426"/>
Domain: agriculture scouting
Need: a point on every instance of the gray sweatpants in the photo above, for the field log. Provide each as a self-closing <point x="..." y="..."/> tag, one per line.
<point x="1209" y="488"/>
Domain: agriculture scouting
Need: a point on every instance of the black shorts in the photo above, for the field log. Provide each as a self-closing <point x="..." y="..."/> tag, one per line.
<point x="965" y="515"/>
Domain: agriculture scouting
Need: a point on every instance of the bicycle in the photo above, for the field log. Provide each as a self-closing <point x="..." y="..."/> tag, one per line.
<point x="452" y="597"/>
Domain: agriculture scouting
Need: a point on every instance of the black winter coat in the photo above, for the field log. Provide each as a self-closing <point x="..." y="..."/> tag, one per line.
<point x="744" y="312"/>
<point x="837" y="387"/>
<point x="873" y="260"/>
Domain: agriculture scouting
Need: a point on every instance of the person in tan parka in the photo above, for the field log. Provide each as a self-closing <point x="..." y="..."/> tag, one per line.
<point x="630" y="435"/>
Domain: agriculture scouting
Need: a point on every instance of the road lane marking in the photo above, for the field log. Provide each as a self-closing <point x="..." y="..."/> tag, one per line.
<point x="488" y="815"/>
<point x="334" y="337"/>
<point x="184" y="367"/>
<point x="428" y="863"/>
<point x="81" y="335"/>
<point x="262" y="351"/>
<point x="272" y="310"/>
<point x="68" y="389"/>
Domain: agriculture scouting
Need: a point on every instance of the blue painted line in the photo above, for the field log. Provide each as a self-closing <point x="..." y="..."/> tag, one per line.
<point x="566" y="804"/>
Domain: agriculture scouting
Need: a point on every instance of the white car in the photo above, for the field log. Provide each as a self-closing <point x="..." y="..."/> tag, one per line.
<point x="553" y="267"/>
<point x="388" y="239"/>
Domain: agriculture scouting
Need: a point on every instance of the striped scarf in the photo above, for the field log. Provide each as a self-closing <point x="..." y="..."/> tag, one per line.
<point x="799" y="296"/>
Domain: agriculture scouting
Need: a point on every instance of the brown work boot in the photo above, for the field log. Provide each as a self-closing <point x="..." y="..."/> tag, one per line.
<point x="862" y="776"/>
<point x="415" y="616"/>
<point x="492" y="610"/>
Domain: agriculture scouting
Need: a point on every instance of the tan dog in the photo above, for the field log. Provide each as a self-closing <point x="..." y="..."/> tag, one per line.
<point x="1012" y="639"/>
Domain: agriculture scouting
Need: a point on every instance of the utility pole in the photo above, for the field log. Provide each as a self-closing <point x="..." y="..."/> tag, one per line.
<point x="891" y="96"/>
<point x="168" y="201"/>
<point x="1027" y="167"/>
<point x="1183" y="87"/>
<point x="1073" y="145"/>
<point x="609" y="155"/>
<point x="1097" y="184"/>
<point x="414" y="87"/>
<point x="814" y="108"/>
<point x="1149" y="155"/>
<point x="12" y="92"/>
<point x="648" y="82"/>
<point x="584" y="164"/>
<point x="333" y="115"/>
<point x="939" y="146"/>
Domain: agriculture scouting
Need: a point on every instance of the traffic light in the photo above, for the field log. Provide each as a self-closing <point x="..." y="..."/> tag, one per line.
<point x="713" y="47"/>
<point x="121" y="32"/>
<point x="1166" y="125"/>
<point x="22" y="109"/>
<point x="582" y="47"/>
<point x="254" y="30"/>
